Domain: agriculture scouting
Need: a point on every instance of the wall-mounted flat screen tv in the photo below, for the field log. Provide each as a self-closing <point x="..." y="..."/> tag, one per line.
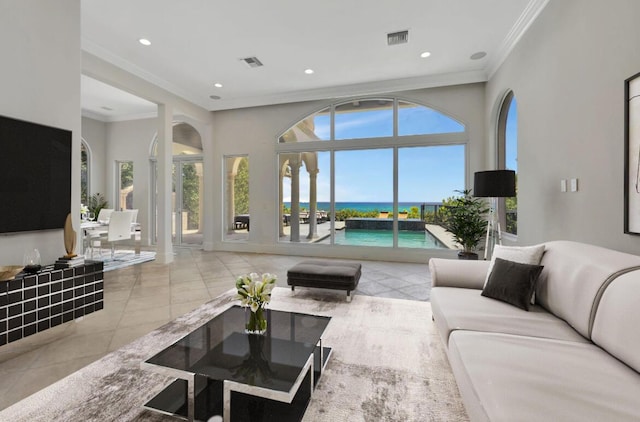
<point x="35" y="176"/>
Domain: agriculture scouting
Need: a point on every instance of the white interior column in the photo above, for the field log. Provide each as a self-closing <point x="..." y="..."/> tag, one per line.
<point x="164" y="253"/>
<point x="281" y="200"/>
<point x="294" y="164"/>
<point x="313" y="204"/>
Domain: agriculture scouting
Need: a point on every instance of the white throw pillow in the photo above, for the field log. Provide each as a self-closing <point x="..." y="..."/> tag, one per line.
<point x="522" y="254"/>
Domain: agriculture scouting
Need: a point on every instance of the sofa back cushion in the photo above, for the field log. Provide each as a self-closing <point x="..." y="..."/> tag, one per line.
<point x="574" y="277"/>
<point x="616" y="326"/>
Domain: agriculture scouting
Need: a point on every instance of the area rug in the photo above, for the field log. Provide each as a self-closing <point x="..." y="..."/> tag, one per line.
<point x="122" y="258"/>
<point x="387" y="364"/>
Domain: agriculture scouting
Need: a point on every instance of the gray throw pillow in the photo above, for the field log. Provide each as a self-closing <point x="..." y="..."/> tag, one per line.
<point x="512" y="282"/>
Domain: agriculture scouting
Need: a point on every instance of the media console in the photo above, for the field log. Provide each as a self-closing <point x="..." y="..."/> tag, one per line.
<point x="31" y="303"/>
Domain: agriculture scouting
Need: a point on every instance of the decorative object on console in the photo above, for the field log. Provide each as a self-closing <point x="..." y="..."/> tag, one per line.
<point x="494" y="184"/>
<point x="69" y="238"/>
<point x="254" y="292"/>
<point x="464" y="218"/>
<point x="9" y="272"/>
<point x="31" y="261"/>
<point x="512" y="282"/>
<point x="65" y="262"/>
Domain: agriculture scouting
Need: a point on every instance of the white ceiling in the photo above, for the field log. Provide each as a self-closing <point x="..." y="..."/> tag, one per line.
<point x="196" y="43"/>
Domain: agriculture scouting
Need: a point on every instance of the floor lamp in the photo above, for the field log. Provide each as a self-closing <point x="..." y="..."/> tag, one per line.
<point x="494" y="184"/>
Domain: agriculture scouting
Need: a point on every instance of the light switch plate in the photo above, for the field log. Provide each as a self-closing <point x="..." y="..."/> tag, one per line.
<point x="574" y="185"/>
<point x="563" y="185"/>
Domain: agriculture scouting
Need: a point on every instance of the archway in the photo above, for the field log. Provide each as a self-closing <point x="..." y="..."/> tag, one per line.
<point x="187" y="187"/>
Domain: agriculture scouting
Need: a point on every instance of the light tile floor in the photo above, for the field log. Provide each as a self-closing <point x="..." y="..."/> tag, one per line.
<point x="143" y="297"/>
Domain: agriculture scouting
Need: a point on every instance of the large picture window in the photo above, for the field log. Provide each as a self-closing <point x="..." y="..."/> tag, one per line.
<point x="370" y="172"/>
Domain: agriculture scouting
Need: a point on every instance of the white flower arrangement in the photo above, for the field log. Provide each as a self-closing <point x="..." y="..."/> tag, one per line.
<point x="254" y="290"/>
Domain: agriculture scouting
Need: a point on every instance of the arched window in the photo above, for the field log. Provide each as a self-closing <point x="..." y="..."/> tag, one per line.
<point x="85" y="167"/>
<point x="370" y="172"/>
<point x="508" y="157"/>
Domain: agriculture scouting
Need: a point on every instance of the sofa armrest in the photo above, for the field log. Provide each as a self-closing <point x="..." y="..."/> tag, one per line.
<point x="458" y="273"/>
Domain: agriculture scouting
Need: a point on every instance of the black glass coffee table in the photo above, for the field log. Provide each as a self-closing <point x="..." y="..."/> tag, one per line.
<point x="221" y="370"/>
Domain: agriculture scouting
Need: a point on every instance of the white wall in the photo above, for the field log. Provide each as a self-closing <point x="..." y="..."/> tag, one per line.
<point x="254" y="131"/>
<point x="130" y="141"/>
<point x="40" y="82"/>
<point x="568" y="75"/>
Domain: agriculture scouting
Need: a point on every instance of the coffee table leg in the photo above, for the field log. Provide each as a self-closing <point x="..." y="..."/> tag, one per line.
<point x="226" y="402"/>
<point x="191" y="398"/>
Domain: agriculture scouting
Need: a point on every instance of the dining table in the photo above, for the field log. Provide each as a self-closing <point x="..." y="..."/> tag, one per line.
<point x="96" y="229"/>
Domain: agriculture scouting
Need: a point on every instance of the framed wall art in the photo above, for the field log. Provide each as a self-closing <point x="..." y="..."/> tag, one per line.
<point x="632" y="154"/>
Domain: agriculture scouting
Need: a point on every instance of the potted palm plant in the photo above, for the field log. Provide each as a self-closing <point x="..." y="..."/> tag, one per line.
<point x="465" y="218"/>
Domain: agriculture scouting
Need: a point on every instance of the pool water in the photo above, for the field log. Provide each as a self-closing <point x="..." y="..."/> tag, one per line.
<point x="384" y="238"/>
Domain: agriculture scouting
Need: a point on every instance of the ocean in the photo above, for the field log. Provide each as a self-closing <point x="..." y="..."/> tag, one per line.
<point x="366" y="206"/>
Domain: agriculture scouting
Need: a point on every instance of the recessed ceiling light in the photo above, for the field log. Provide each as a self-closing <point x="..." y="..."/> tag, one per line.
<point x="217" y="85"/>
<point x="478" y="55"/>
<point x="144" y="41"/>
<point x="308" y="71"/>
<point x="425" y="54"/>
<point x="214" y="97"/>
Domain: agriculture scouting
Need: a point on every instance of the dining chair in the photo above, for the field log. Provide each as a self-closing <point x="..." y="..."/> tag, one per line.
<point x="103" y="215"/>
<point x="134" y="213"/>
<point x="119" y="228"/>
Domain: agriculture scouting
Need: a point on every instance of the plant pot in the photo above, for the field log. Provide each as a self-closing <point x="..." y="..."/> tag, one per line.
<point x="468" y="255"/>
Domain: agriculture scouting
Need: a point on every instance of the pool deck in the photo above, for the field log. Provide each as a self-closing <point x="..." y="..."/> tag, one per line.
<point x="442" y="235"/>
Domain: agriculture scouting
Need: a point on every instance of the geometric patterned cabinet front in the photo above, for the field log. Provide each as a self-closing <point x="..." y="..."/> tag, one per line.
<point x="33" y="303"/>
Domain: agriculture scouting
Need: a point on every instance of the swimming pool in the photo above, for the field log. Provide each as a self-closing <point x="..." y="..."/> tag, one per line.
<point x="384" y="238"/>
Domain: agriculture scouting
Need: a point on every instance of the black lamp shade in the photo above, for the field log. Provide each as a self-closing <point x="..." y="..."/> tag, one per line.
<point x="494" y="183"/>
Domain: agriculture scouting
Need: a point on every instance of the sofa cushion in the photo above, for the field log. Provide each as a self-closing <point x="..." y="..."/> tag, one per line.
<point x="458" y="273"/>
<point x="512" y="282"/>
<point x="617" y="324"/>
<point x="503" y="377"/>
<point x="574" y="277"/>
<point x="465" y="309"/>
<point x="522" y="254"/>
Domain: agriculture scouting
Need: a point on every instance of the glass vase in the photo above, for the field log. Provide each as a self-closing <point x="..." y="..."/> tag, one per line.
<point x="31" y="261"/>
<point x="255" y="322"/>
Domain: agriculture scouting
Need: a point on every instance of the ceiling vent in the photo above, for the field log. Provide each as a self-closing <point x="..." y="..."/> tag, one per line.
<point x="400" y="37"/>
<point x="252" y="62"/>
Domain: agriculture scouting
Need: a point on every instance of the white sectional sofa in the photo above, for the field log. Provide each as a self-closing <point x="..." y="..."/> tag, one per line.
<point x="574" y="356"/>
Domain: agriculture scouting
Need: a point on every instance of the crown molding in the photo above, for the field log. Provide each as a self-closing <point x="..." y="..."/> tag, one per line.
<point x="119" y="118"/>
<point x="106" y="55"/>
<point x="367" y="88"/>
<point x="531" y="12"/>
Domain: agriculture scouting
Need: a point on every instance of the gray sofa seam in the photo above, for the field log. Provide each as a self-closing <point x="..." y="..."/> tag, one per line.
<point x="600" y="293"/>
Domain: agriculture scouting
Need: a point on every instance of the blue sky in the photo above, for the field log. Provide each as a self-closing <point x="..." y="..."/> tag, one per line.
<point x="425" y="174"/>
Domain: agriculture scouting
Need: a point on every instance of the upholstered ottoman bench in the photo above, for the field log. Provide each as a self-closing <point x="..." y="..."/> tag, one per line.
<point x="325" y="274"/>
